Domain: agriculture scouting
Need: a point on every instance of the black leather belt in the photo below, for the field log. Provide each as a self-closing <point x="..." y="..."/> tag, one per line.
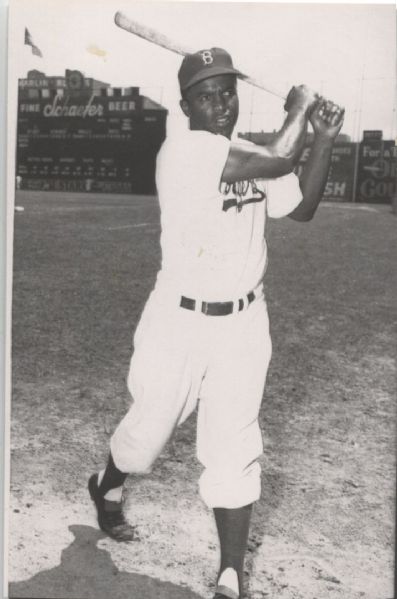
<point x="215" y="308"/>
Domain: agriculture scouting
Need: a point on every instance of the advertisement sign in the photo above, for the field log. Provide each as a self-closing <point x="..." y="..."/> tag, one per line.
<point x="78" y="185"/>
<point x="377" y="172"/>
<point x="339" y="187"/>
<point x="87" y="141"/>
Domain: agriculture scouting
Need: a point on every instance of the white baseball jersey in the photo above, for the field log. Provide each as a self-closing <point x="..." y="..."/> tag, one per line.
<point x="213" y="249"/>
<point x="213" y="234"/>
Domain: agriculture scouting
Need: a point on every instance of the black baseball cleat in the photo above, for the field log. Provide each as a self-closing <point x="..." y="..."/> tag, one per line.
<point x="110" y="515"/>
<point x="225" y="593"/>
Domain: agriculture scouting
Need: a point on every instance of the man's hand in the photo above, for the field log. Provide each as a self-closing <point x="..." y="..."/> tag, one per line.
<point x="327" y="119"/>
<point x="301" y="98"/>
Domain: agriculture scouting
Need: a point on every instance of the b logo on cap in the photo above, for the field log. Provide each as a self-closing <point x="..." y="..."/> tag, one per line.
<point x="207" y="57"/>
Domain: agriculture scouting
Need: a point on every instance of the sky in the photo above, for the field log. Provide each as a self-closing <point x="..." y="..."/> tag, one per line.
<point x="347" y="52"/>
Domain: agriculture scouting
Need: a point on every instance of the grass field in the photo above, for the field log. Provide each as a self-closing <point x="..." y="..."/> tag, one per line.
<point x="83" y="267"/>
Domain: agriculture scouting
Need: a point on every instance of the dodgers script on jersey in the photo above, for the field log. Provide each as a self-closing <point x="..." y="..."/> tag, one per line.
<point x="213" y="233"/>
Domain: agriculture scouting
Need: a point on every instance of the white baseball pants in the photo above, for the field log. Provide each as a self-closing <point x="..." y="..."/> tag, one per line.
<point x="182" y="359"/>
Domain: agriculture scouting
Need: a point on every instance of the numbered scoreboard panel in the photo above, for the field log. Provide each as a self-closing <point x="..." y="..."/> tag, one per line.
<point x="87" y="140"/>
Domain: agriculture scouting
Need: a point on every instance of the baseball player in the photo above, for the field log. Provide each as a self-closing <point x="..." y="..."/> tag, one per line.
<point x="203" y="338"/>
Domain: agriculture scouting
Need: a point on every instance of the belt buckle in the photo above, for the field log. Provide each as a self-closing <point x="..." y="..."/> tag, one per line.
<point x="204" y="307"/>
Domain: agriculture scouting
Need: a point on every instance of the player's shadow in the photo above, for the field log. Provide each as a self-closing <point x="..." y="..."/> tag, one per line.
<point x="87" y="572"/>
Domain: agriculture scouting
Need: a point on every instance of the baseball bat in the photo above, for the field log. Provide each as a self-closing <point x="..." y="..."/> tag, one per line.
<point x="155" y="37"/>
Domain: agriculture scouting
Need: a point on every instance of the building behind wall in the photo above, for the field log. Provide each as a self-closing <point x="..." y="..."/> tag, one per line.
<point x="79" y="134"/>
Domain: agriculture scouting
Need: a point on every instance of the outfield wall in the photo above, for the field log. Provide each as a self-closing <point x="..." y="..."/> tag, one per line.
<point x="339" y="187"/>
<point x="359" y="172"/>
<point x="76" y="134"/>
<point x="377" y="171"/>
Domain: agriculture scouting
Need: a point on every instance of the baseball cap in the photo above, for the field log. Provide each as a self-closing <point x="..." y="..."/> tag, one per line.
<point x="204" y="64"/>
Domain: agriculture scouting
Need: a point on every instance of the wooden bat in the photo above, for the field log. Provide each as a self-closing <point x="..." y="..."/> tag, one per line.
<point x="151" y="35"/>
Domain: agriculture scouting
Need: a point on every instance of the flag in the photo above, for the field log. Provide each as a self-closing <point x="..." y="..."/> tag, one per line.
<point x="29" y="42"/>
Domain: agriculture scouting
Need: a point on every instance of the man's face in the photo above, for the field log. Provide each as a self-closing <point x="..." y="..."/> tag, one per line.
<point x="212" y="105"/>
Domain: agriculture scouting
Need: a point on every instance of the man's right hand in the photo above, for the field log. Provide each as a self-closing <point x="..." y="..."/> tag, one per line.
<point x="302" y="99"/>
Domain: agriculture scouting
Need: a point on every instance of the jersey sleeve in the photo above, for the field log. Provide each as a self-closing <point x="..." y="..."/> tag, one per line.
<point x="192" y="164"/>
<point x="283" y="195"/>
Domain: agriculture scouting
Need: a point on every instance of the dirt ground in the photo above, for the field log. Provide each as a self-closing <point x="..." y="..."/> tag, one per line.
<point x="324" y="527"/>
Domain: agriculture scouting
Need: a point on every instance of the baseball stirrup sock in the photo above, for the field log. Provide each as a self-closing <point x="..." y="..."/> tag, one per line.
<point x="233" y="529"/>
<point x="112" y="478"/>
<point x="114" y="495"/>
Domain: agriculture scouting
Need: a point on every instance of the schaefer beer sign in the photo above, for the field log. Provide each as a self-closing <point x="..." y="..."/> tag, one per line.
<point x="60" y="107"/>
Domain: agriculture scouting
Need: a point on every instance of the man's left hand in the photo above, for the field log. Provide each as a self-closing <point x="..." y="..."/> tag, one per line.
<point x="327" y="119"/>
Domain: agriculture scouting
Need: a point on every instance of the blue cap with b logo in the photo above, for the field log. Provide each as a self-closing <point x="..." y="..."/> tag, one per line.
<point x="204" y="64"/>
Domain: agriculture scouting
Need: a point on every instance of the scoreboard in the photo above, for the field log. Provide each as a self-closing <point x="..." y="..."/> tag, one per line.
<point x="76" y="134"/>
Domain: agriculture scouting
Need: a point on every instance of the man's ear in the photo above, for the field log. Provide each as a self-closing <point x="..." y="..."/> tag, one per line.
<point x="184" y="104"/>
